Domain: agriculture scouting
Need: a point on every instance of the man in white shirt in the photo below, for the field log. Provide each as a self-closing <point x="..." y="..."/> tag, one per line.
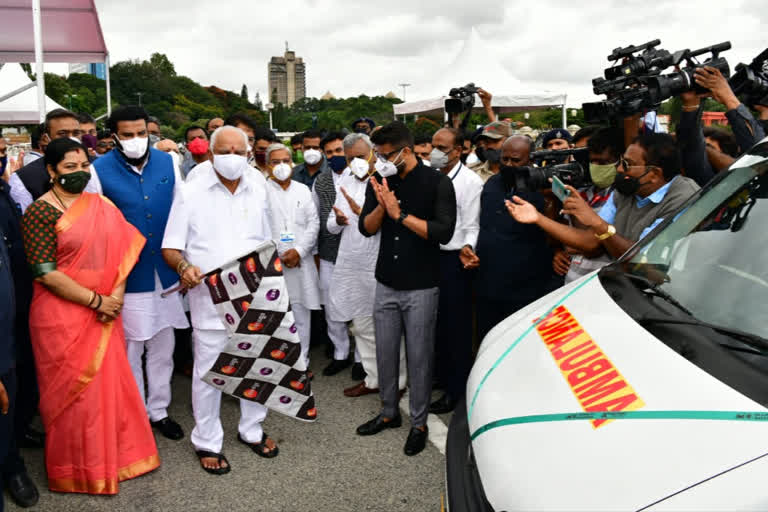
<point x="453" y="342"/>
<point x="324" y="191"/>
<point x="217" y="217"/>
<point x="295" y="225"/>
<point x="353" y="283"/>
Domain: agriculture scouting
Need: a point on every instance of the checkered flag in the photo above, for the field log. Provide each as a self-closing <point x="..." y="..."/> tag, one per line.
<point x="262" y="359"/>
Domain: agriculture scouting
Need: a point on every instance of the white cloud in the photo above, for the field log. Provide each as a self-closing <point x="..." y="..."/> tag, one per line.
<point x="368" y="47"/>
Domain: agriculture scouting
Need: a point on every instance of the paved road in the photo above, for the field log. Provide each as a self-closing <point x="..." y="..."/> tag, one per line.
<point x="330" y="467"/>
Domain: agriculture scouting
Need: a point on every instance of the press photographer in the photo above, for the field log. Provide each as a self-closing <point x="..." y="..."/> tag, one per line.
<point x="696" y="159"/>
<point x="750" y="83"/>
<point x="514" y="259"/>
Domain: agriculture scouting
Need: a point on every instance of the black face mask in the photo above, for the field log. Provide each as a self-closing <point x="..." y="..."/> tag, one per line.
<point x="464" y="157"/>
<point x="628" y="185"/>
<point x="493" y="156"/>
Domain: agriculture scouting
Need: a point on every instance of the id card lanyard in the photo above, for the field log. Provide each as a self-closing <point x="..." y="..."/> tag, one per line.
<point x="288" y="234"/>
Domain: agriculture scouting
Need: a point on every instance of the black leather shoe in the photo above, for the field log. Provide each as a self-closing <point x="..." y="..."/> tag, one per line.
<point x="23" y="490"/>
<point x="357" y="372"/>
<point x="378" y="424"/>
<point x="336" y="366"/>
<point x="31" y="438"/>
<point x="442" y="405"/>
<point x="417" y="440"/>
<point x="169" y="428"/>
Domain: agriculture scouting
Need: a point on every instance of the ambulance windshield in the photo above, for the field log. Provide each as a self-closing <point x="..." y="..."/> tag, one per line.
<point x="713" y="258"/>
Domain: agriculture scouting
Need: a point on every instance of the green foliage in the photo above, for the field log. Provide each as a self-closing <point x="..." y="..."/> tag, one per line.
<point x="332" y="114"/>
<point x="176" y="100"/>
<point x="179" y="101"/>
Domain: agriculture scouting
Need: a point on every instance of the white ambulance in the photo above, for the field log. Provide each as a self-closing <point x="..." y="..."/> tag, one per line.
<point x="641" y="387"/>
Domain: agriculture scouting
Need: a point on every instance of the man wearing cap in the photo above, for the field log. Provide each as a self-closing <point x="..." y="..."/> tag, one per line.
<point x="557" y="139"/>
<point x="488" y="149"/>
<point x="364" y="125"/>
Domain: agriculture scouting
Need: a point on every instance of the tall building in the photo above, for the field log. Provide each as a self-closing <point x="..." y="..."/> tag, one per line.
<point x="287" y="78"/>
<point x="97" y="69"/>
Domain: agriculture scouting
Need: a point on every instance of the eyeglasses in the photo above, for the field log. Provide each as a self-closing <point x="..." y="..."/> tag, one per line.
<point x="273" y="163"/>
<point x="106" y="144"/>
<point x="623" y="163"/>
<point x="384" y="157"/>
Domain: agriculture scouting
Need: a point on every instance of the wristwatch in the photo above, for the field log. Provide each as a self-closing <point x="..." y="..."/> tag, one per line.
<point x="402" y="217"/>
<point x="608" y="234"/>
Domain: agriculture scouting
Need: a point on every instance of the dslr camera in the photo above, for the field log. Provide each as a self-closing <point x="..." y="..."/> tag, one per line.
<point x="750" y="82"/>
<point x="462" y="99"/>
<point x="637" y="85"/>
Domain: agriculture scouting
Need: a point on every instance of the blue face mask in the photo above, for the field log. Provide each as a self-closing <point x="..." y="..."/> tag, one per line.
<point x="337" y="163"/>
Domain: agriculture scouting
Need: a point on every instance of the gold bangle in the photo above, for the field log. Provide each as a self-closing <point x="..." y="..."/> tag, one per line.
<point x="691" y="108"/>
<point x="182" y="266"/>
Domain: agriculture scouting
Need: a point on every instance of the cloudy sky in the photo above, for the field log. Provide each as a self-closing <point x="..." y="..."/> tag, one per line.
<point x="361" y="46"/>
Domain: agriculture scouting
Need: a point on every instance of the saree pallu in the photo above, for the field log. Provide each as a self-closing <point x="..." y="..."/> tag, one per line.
<point x="97" y="431"/>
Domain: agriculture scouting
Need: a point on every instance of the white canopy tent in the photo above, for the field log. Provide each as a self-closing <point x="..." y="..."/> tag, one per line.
<point x="18" y="103"/>
<point x="53" y="31"/>
<point x="475" y="63"/>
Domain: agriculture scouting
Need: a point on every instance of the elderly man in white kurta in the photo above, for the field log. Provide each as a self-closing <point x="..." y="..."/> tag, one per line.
<point x="219" y="216"/>
<point x="352" y="287"/>
<point x="294" y="225"/>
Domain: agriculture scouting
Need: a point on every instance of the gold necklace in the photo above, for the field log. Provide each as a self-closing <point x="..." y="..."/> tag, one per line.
<point x="64" y="208"/>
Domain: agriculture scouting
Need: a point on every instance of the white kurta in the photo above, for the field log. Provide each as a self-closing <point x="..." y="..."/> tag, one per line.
<point x="353" y="284"/>
<point x="293" y="211"/>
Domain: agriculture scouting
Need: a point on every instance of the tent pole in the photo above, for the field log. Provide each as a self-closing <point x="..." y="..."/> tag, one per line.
<point x="565" y="117"/>
<point x="109" y="88"/>
<point x="39" y="65"/>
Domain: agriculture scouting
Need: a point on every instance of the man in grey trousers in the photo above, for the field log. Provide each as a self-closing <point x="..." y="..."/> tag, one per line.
<point x="414" y="207"/>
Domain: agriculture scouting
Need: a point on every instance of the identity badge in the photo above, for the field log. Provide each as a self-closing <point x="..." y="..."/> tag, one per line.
<point x="287" y="236"/>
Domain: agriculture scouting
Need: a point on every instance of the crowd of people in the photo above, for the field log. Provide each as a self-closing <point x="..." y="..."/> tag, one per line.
<point x="400" y="252"/>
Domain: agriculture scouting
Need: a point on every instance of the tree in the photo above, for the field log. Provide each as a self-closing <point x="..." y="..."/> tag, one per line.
<point x="244" y="92"/>
<point x="162" y="64"/>
<point x="257" y="102"/>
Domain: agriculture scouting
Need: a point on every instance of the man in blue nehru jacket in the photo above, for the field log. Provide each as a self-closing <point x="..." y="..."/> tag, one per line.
<point x="140" y="180"/>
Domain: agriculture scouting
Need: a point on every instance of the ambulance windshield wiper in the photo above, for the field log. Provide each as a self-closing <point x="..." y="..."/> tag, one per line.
<point x="757" y="342"/>
<point x="653" y="290"/>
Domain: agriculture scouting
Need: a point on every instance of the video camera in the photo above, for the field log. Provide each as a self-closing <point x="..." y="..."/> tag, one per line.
<point x="650" y="61"/>
<point x="640" y="85"/>
<point x="537" y="178"/>
<point x="559" y="156"/>
<point x="750" y="82"/>
<point x="462" y="99"/>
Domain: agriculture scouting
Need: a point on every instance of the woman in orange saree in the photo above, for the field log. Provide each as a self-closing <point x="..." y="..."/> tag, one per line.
<point x="81" y="250"/>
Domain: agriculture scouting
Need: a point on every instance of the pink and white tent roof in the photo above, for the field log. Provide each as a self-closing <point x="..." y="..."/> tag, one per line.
<point x="70" y="29"/>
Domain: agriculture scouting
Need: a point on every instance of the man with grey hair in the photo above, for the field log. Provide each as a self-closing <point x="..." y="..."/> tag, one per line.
<point x="218" y="216"/>
<point x="353" y="284"/>
<point x="324" y="191"/>
<point x="206" y="167"/>
<point x="294" y="224"/>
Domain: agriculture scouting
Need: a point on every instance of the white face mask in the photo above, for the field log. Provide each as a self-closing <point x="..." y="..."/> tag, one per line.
<point x="438" y="158"/>
<point x="75" y="139"/>
<point x="359" y="167"/>
<point x="385" y="169"/>
<point x="312" y="156"/>
<point x="135" y="147"/>
<point x="230" y="166"/>
<point x="282" y="172"/>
